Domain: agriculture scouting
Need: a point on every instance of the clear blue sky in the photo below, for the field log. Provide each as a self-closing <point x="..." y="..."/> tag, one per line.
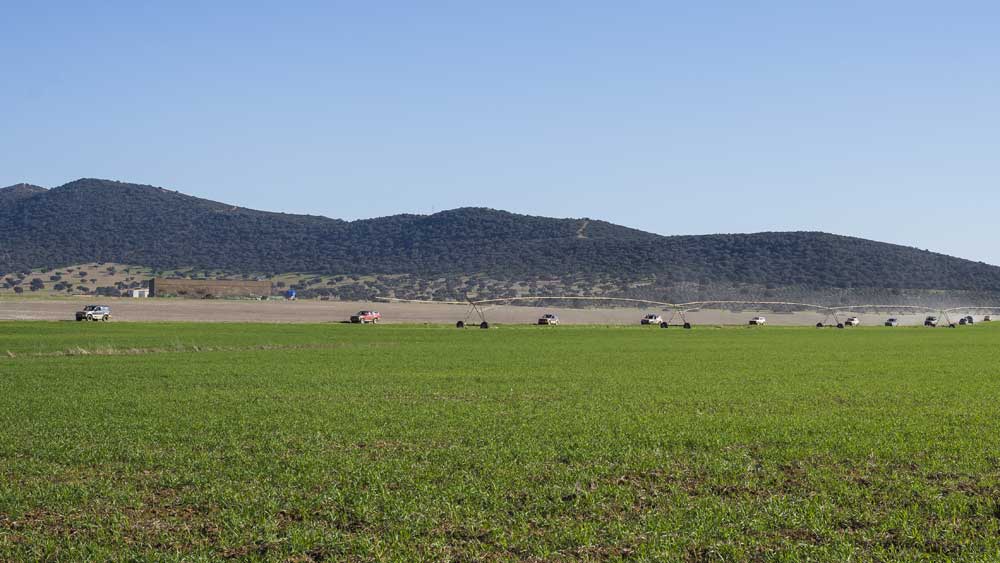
<point x="874" y="119"/>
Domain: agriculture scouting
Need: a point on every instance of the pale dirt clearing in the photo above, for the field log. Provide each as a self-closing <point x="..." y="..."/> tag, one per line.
<point x="309" y="311"/>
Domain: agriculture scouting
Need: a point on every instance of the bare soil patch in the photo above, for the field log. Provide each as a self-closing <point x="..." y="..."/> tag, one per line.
<point x="315" y="311"/>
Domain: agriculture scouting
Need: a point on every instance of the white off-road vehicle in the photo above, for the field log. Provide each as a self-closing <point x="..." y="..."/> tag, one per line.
<point x="94" y="313"/>
<point x="852" y="321"/>
<point x="651" y="319"/>
<point x="758" y="321"/>
<point x="548" y="319"/>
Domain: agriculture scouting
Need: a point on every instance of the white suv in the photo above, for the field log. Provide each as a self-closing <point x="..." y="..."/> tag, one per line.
<point x="94" y="313"/>
<point x="852" y="321"/>
<point x="651" y="319"/>
<point x="548" y="319"/>
<point x="758" y="321"/>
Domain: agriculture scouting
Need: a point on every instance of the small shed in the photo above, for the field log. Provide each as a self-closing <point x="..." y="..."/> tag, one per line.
<point x="139" y="293"/>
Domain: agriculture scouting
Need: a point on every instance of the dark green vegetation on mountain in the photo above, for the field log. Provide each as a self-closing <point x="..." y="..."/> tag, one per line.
<point x="105" y="221"/>
<point x="178" y="442"/>
<point x="12" y="194"/>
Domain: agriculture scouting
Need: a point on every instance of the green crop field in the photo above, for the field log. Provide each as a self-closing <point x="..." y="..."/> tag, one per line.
<point x="199" y="442"/>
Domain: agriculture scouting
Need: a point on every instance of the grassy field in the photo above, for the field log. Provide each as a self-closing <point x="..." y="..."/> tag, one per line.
<point x="333" y="442"/>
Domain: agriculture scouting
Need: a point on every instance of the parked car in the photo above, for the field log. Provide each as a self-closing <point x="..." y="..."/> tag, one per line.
<point x="963" y="321"/>
<point x="548" y="319"/>
<point x="94" y="313"/>
<point x="970" y="320"/>
<point x="651" y="319"/>
<point x="758" y="321"/>
<point x="892" y="322"/>
<point x="852" y="321"/>
<point x="365" y="317"/>
<point x="931" y="321"/>
<point x="988" y="319"/>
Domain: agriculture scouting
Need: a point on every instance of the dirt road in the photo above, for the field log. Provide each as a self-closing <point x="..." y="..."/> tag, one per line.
<point x="338" y="311"/>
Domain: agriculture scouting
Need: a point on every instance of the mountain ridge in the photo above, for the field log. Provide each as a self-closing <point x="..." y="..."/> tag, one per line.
<point x="18" y="192"/>
<point x="101" y="220"/>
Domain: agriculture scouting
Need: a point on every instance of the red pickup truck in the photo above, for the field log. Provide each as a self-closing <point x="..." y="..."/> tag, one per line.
<point x="365" y="317"/>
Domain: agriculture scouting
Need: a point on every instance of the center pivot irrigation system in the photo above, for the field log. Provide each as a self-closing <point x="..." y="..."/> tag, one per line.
<point x="478" y="309"/>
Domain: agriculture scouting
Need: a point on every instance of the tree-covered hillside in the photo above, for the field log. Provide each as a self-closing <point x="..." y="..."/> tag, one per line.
<point x="12" y="194"/>
<point x="98" y="220"/>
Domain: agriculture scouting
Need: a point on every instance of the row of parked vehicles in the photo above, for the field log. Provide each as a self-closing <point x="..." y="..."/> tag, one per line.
<point x="100" y="312"/>
<point x="933" y="321"/>
<point x="103" y="313"/>
<point x="969" y="320"/>
<point x="930" y="321"/>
